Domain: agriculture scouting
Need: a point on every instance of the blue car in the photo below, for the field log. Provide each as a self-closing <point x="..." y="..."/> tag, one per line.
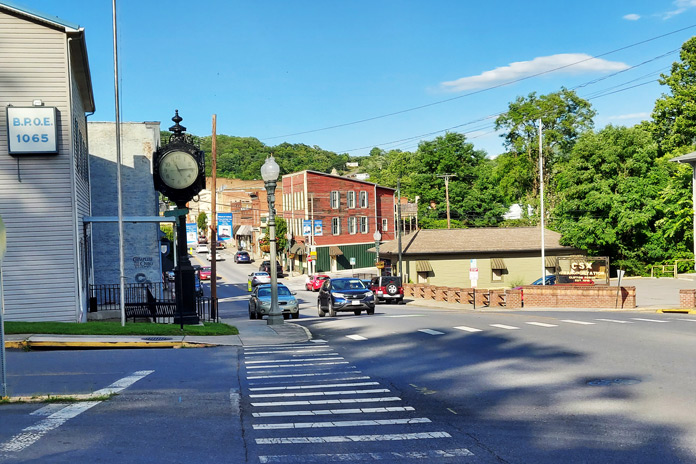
<point x="242" y="257"/>
<point x="345" y="294"/>
<point x="550" y="280"/>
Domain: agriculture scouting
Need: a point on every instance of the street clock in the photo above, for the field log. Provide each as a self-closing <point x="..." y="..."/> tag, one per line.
<point x="179" y="166"/>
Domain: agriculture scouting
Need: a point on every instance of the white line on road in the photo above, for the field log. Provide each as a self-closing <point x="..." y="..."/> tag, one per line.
<point x="406" y="315"/>
<point x="330" y="412"/>
<point x="265" y="361"/>
<point x="362" y="423"/>
<point x="314" y="350"/>
<point x="313" y="374"/>
<point x="506" y="327"/>
<point x="307" y="387"/>
<point x="570" y="321"/>
<point x="468" y="329"/>
<point x="647" y="320"/>
<point x="296" y="365"/>
<point x="352" y="438"/>
<point x="337" y="401"/>
<point x="320" y="393"/>
<point x="49" y="409"/>
<point x="389" y="456"/>
<point x="431" y="332"/>
<point x="234" y="401"/>
<point x="687" y="320"/>
<point x="33" y="433"/>
<point x="356" y="337"/>
<point x="541" y="324"/>
<point x="617" y="321"/>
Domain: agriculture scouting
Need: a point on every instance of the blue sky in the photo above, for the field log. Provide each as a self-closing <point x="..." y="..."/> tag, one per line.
<point x="281" y="71"/>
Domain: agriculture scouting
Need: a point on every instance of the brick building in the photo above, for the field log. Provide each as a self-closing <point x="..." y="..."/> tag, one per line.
<point x="346" y="213"/>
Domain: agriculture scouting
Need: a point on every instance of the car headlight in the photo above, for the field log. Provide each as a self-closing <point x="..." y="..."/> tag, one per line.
<point x="265" y="304"/>
<point x="369" y="294"/>
<point x="339" y="295"/>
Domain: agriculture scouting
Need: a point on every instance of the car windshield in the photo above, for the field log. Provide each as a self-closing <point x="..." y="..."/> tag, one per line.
<point x="206" y="269"/>
<point x="261" y="274"/>
<point x="266" y="292"/>
<point x="348" y="285"/>
<point x="322" y="277"/>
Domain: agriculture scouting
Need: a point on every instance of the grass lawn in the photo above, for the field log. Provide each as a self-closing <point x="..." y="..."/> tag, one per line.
<point x="114" y="328"/>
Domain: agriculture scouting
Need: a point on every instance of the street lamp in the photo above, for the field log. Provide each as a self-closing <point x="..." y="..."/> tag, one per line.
<point x="377" y="236"/>
<point x="269" y="173"/>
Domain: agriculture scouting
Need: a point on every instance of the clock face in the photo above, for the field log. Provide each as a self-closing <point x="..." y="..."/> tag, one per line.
<point x="178" y="169"/>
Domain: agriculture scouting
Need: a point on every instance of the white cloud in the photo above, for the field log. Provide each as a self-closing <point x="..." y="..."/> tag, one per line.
<point x="621" y="117"/>
<point x="680" y="7"/>
<point x="572" y="63"/>
<point x="632" y="17"/>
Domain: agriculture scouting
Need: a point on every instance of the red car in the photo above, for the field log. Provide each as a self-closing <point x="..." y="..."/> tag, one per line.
<point x="205" y="273"/>
<point x="315" y="282"/>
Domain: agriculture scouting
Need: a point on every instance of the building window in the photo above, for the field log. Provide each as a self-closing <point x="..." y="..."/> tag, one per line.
<point x="385" y="225"/>
<point x="336" y="226"/>
<point x="335" y="199"/>
<point x="352" y="225"/>
<point x="350" y="199"/>
<point x="363" y="199"/>
<point x="363" y="225"/>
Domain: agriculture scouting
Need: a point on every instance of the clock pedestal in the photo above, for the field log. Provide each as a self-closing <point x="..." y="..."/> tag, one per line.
<point x="184" y="273"/>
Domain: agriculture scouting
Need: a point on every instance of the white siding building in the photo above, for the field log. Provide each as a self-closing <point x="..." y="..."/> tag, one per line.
<point x="44" y="197"/>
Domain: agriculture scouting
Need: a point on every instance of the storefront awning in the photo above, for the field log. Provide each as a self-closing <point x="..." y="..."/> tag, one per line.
<point x="498" y="263"/>
<point x="298" y="249"/>
<point x="335" y="251"/>
<point x="243" y="230"/>
<point x="423" y="266"/>
<point x="551" y="261"/>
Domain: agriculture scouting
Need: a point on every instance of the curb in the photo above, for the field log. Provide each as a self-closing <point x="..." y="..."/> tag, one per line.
<point x="28" y="344"/>
<point x="676" y="311"/>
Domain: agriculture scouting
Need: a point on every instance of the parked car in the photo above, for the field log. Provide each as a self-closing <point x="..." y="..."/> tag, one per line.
<point x="202" y="248"/>
<point x="198" y="286"/>
<point x="345" y="294"/>
<point x="260" y="302"/>
<point x="205" y="273"/>
<point x="242" y="257"/>
<point x="266" y="267"/>
<point x="388" y="289"/>
<point x="202" y="239"/>
<point x="550" y="280"/>
<point x="315" y="282"/>
<point x="170" y="276"/>
<point x="218" y="257"/>
<point x="257" y="278"/>
<point x="220" y="245"/>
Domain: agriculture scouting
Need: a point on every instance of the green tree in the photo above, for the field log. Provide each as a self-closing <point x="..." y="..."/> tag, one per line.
<point x="202" y="221"/>
<point x="674" y="115"/>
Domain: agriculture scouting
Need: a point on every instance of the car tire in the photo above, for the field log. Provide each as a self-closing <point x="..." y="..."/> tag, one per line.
<point x="332" y="311"/>
<point x="319" y="310"/>
<point x="356" y="312"/>
<point x="286" y="316"/>
<point x="296" y="315"/>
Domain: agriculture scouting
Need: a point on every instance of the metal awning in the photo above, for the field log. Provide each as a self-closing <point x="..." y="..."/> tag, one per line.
<point x="335" y="251"/>
<point x="298" y="249"/>
<point x="423" y="266"/>
<point x="498" y="263"/>
<point x="243" y="230"/>
<point x="551" y="261"/>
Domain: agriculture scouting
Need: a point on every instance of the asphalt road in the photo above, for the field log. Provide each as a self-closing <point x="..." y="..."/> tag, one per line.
<point x="402" y="386"/>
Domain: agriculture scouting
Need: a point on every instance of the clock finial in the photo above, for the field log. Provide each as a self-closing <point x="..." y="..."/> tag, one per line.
<point x="177" y="128"/>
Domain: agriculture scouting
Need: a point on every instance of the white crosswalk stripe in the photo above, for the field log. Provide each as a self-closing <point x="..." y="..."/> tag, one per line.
<point x="506" y="327"/>
<point x="571" y="321"/>
<point x="330" y="412"/>
<point x="431" y="332"/>
<point x="363" y="457"/>
<point x="468" y="329"/>
<point x="616" y="321"/>
<point x="362" y="423"/>
<point x="541" y="324"/>
<point x="646" y="320"/>
<point x="356" y="337"/>
<point x="352" y="438"/>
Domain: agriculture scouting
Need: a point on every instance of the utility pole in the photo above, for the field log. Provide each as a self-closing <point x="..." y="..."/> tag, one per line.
<point x="417" y="198"/>
<point x="541" y="207"/>
<point x="398" y="222"/>
<point x="213" y="222"/>
<point x="447" y="178"/>
<point x="313" y="266"/>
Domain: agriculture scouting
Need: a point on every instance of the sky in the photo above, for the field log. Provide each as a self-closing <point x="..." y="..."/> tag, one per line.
<point x="348" y="76"/>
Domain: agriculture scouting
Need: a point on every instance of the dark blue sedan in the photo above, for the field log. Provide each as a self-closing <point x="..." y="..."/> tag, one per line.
<point x="242" y="257"/>
<point x="345" y="294"/>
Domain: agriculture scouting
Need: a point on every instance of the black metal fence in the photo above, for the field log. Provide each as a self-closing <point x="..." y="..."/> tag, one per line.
<point x="107" y="297"/>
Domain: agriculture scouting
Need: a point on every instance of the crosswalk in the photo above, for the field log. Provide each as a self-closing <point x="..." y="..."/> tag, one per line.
<point x="544" y="325"/>
<point x="326" y="410"/>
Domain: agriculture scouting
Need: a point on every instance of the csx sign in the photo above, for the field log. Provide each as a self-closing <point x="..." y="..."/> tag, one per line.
<point x="583" y="269"/>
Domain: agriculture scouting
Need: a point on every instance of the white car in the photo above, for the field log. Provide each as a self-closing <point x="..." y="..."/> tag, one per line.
<point x="202" y="248"/>
<point x="218" y="257"/>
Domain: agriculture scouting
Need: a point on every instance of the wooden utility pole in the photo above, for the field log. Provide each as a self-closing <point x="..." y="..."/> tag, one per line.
<point x="213" y="221"/>
<point x="447" y="178"/>
<point x="541" y="206"/>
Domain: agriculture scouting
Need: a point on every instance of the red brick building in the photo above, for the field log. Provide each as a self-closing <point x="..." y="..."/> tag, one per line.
<point x="346" y="213"/>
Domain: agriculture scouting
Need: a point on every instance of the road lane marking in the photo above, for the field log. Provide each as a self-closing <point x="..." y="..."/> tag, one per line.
<point x="647" y="320"/>
<point x="49" y="409"/>
<point x="468" y="329"/>
<point x="311" y="374"/>
<point x="234" y="401"/>
<point x="320" y="393"/>
<point x="541" y="324"/>
<point x="406" y="315"/>
<point x="617" y="321"/>
<point x="307" y="387"/>
<point x="362" y="423"/>
<point x="356" y="337"/>
<point x="388" y="456"/>
<point x="330" y="412"/>
<point x="570" y="321"/>
<point x="264" y="361"/>
<point x="431" y="332"/>
<point x="383" y="399"/>
<point x="503" y="326"/>
<point x="687" y="320"/>
<point x="315" y="350"/>
<point x="33" y="433"/>
<point x="279" y="366"/>
<point x="352" y="438"/>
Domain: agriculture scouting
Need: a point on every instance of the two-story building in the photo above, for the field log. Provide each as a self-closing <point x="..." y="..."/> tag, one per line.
<point x="335" y="218"/>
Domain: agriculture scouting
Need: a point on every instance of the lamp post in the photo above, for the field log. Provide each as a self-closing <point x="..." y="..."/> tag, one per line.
<point x="288" y="239"/>
<point x="377" y="236"/>
<point x="269" y="173"/>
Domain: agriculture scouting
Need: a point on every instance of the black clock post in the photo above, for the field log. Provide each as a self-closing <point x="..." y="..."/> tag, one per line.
<point x="179" y="174"/>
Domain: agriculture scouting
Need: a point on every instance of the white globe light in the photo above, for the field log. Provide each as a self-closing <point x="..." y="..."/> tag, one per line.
<point x="270" y="169"/>
<point x="377" y="236"/>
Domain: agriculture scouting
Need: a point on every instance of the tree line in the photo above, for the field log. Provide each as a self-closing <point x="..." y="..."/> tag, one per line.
<point x="610" y="192"/>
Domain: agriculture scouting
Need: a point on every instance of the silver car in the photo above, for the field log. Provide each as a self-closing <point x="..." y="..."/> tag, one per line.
<point x="260" y="302"/>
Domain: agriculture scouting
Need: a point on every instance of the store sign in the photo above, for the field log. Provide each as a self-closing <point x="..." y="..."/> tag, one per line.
<point x="224" y="226"/>
<point x="191" y="233"/>
<point x="32" y="130"/>
<point x="583" y="269"/>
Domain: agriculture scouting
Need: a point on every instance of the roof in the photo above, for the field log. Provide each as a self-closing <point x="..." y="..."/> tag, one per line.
<point x="352" y="179"/>
<point x="688" y="158"/>
<point x="479" y="240"/>
<point x="51" y="20"/>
